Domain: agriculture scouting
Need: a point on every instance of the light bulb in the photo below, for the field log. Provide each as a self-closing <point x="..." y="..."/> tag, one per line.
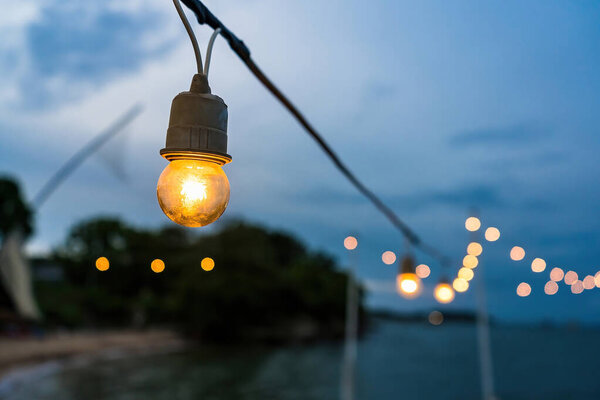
<point x="193" y="193"/>
<point x="443" y="293"/>
<point x="409" y="285"/>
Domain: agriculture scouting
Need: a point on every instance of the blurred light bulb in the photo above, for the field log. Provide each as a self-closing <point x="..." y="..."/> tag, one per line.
<point x="517" y="253"/>
<point x="207" y="264"/>
<point x="460" y="285"/>
<point x="523" y="290"/>
<point x="350" y="243"/>
<point x="193" y="193"/>
<point x="102" y="264"/>
<point x="538" y="265"/>
<point x="443" y="293"/>
<point x="388" y="257"/>
<point x="550" y="288"/>
<point x="466" y="273"/>
<point x="557" y="274"/>
<point x="474" y="249"/>
<point x="472" y="224"/>
<point x="492" y="234"/>
<point x="571" y="277"/>
<point x="157" y="265"/>
<point x="422" y="271"/>
<point x="409" y="285"/>
<point x="588" y="282"/>
<point x="436" y="318"/>
<point x="470" y="261"/>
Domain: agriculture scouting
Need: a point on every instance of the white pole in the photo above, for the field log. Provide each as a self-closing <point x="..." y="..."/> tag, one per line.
<point x="347" y="383"/>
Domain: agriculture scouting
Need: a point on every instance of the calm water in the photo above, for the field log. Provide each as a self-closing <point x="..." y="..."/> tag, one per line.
<point x="396" y="361"/>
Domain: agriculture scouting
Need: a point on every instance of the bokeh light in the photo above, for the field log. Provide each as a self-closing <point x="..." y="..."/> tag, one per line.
<point x="588" y="282"/>
<point x="460" y="285"/>
<point x="470" y="261"/>
<point x="388" y="257"/>
<point x="472" y="224"/>
<point x="492" y="234"/>
<point x="517" y="253"/>
<point x="408" y="285"/>
<point x="466" y="273"/>
<point x="571" y="277"/>
<point x="577" y="287"/>
<point x="436" y="318"/>
<point x="551" y="288"/>
<point x="523" y="290"/>
<point x="157" y="265"/>
<point x="207" y="264"/>
<point x="538" y="265"/>
<point x="422" y="271"/>
<point x="474" y="249"/>
<point x="597" y="279"/>
<point x="443" y="293"/>
<point x="350" y="243"/>
<point x="102" y="264"/>
<point x="557" y="274"/>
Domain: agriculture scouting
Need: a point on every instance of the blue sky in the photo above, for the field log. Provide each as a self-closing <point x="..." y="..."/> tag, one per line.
<point x="438" y="106"/>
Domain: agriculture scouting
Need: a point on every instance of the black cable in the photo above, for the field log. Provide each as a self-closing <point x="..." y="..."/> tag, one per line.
<point x="204" y="16"/>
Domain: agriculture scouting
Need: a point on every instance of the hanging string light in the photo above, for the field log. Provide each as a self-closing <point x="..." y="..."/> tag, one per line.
<point x="407" y="282"/>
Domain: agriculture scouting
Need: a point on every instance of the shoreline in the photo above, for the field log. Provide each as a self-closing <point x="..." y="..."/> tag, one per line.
<point x="18" y="355"/>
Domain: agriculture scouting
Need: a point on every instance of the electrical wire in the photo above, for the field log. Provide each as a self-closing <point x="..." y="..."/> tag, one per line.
<point x="204" y="16"/>
<point x="190" y="32"/>
<point x="211" y="42"/>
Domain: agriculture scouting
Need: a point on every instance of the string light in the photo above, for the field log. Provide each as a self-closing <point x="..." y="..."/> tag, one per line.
<point x="466" y="273"/>
<point x="492" y="234"/>
<point x="350" y="243"/>
<point x="577" y="287"/>
<point x="388" y="257"/>
<point x="517" y="253"/>
<point x="408" y="283"/>
<point x="550" y="288"/>
<point x="460" y="285"/>
<point x="422" y="271"/>
<point x="571" y="277"/>
<point x="474" y="249"/>
<point x="470" y="261"/>
<point x="538" y="265"/>
<point x="557" y="274"/>
<point x="157" y="265"/>
<point x="523" y="290"/>
<point x="588" y="282"/>
<point x="472" y="224"/>
<point x="443" y="293"/>
<point x="207" y="264"/>
<point x="102" y="264"/>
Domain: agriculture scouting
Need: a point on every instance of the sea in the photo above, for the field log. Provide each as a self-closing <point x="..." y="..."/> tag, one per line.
<point x="395" y="360"/>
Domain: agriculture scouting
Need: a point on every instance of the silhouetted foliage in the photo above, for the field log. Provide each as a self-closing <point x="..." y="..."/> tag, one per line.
<point x="265" y="285"/>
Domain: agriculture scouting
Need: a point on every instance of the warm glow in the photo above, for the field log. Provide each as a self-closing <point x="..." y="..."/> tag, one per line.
<point x="422" y="271"/>
<point x="556" y="274"/>
<point x="193" y="192"/>
<point x="571" y="277"/>
<point x="408" y="285"/>
<point x="388" y="257"/>
<point x="474" y="249"/>
<point x="577" y="287"/>
<point x="102" y="264"/>
<point x="466" y="273"/>
<point x="551" y="288"/>
<point x="207" y="264"/>
<point x="588" y="282"/>
<point x="157" y="265"/>
<point x="460" y="285"/>
<point x="523" y="290"/>
<point x="436" y="318"/>
<point x="443" y="293"/>
<point x="470" y="261"/>
<point x="472" y="224"/>
<point x="492" y="234"/>
<point x="538" y="265"/>
<point x="350" y="243"/>
<point x="517" y="253"/>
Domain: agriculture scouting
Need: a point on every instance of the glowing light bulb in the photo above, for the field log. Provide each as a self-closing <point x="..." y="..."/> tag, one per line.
<point x="443" y="293"/>
<point x="409" y="285"/>
<point x="193" y="193"/>
<point x="157" y="265"/>
<point x="470" y="261"/>
<point x="102" y="264"/>
<point x="466" y="273"/>
<point x="207" y="264"/>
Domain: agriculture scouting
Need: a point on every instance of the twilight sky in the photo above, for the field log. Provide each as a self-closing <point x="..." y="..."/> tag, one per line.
<point x="438" y="106"/>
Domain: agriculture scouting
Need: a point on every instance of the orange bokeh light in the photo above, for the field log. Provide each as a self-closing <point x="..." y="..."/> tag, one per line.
<point x="350" y="243"/>
<point x="571" y="277"/>
<point x="517" y="253"/>
<point x="472" y="224"/>
<point x="422" y="271"/>
<point x="492" y="234"/>
<point x="388" y="257"/>
<point x="523" y="290"/>
<point x="551" y="288"/>
<point x="577" y="287"/>
<point x="557" y="274"/>
<point x="538" y="265"/>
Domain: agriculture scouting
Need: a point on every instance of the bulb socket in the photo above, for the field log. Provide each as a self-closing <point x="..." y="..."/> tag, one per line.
<point x="407" y="265"/>
<point x="197" y="125"/>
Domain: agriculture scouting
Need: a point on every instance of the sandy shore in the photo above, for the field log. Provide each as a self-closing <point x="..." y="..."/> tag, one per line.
<point x="26" y="352"/>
